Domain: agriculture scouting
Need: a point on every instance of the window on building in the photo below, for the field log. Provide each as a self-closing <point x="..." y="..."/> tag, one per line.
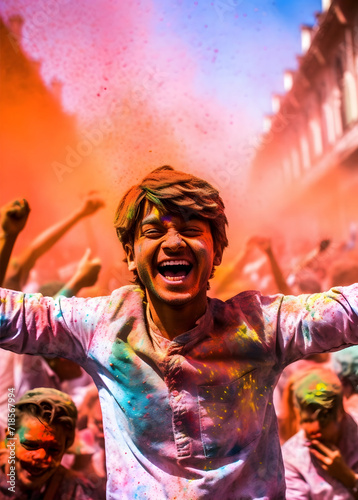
<point x="329" y="123"/>
<point x="316" y="138"/>
<point x="350" y="103"/>
<point x="305" y="152"/>
<point x="337" y="116"/>
<point x="340" y="84"/>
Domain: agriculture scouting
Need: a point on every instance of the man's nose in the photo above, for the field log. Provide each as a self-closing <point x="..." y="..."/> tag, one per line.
<point x="314" y="428"/>
<point x="173" y="241"/>
<point x="40" y="454"/>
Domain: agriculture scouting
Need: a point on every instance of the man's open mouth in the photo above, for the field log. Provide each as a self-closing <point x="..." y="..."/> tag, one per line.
<point x="175" y="270"/>
<point x="33" y="470"/>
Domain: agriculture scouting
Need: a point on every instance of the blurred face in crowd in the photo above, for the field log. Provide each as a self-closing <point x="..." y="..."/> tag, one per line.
<point x="349" y="365"/>
<point x="39" y="451"/>
<point x="322" y="425"/>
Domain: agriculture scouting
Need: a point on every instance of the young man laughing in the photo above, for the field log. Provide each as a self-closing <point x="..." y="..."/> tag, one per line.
<point x="185" y="381"/>
<point x="173" y="258"/>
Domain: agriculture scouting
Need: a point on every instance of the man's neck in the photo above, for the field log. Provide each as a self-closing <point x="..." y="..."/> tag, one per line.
<point x="175" y="320"/>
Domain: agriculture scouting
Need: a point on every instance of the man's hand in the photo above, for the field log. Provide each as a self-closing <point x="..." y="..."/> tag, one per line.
<point x="331" y="460"/>
<point x="85" y="275"/>
<point x="261" y="242"/>
<point x="13" y="217"/>
<point x="88" y="270"/>
<point x="91" y="204"/>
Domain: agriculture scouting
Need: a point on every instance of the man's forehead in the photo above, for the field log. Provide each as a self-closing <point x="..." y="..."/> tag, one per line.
<point x="31" y="425"/>
<point x="152" y="214"/>
<point x="310" y="414"/>
<point x="150" y="209"/>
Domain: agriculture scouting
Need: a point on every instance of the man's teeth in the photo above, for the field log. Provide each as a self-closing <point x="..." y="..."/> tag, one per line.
<point x="175" y="263"/>
<point x="175" y="270"/>
<point x="175" y="278"/>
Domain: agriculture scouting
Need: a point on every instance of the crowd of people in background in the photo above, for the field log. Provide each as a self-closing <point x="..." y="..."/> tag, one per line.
<point x="58" y="416"/>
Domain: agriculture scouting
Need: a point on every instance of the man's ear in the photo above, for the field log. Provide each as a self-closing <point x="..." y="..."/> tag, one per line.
<point x="130" y="257"/>
<point x="218" y="257"/>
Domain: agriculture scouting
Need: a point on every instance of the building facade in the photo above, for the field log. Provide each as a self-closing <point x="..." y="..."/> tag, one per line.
<point x="306" y="164"/>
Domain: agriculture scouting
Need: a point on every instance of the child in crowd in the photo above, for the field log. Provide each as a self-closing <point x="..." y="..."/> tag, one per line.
<point x="30" y="465"/>
<point x="345" y="365"/>
<point x="321" y="460"/>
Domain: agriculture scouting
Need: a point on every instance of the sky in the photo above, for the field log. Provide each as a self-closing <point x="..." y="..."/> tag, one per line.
<point x="178" y="82"/>
<point x="229" y="53"/>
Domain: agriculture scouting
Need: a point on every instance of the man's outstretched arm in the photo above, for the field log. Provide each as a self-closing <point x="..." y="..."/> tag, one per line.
<point x="62" y="327"/>
<point x="316" y="323"/>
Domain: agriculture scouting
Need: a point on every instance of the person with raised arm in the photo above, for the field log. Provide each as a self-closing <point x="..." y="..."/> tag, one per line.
<point x="40" y="433"/>
<point x="13" y="217"/>
<point x="85" y="275"/>
<point x="21" y="266"/>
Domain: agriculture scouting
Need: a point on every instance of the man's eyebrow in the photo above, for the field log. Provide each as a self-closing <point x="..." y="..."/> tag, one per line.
<point x="151" y="219"/>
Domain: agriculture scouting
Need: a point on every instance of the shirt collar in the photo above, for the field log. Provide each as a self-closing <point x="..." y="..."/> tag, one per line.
<point x="201" y="328"/>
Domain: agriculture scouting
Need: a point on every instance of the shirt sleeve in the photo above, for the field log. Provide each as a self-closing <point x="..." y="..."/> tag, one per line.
<point x="296" y="486"/>
<point x="292" y="328"/>
<point x="33" y="324"/>
<point x="321" y="322"/>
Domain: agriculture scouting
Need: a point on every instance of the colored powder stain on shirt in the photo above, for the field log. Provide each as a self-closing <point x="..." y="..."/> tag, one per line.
<point x="246" y="333"/>
<point x="58" y="314"/>
<point x="225" y="397"/>
<point x="306" y="333"/>
<point x="313" y="311"/>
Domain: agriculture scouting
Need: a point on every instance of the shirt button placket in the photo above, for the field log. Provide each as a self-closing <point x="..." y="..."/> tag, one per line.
<point x="177" y="402"/>
<point x="182" y="439"/>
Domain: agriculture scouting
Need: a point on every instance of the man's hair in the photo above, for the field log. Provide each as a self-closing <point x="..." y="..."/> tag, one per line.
<point x="345" y="365"/>
<point x="175" y="192"/>
<point x="50" y="407"/>
<point x="318" y="390"/>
